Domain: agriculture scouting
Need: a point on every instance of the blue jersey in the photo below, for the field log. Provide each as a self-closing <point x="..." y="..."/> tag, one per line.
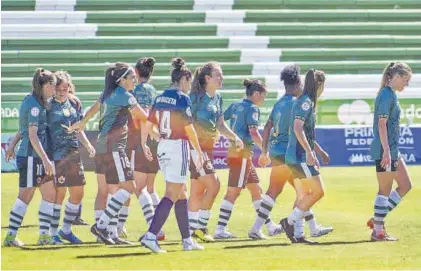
<point x="32" y="113"/>
<point x="243" y="116"/>
<point x="302" y="109"/>
<point x="386" y="106"/>
<point x="206" y="111"/>
<point x="145" y="95"/>
<point x="59" y="114"/>
<point x="280" y="117"/>
<point x="172" y="112"/>
<point x="114" y="114"/>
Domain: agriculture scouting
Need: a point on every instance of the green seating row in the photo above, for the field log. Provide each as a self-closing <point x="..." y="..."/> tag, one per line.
<point x="255" y="16"/>
<point x="89" y="84"/>
<point x="98" y="69"/>
<point x="134" y="5"/>
<point x="201" y="56"/>
<point x="213" y="42"/>
<point x="96" y="56"/>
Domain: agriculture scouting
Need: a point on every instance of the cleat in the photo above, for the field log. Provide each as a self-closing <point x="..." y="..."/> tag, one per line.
<point x="189" y="245"/>
<point x="274" y="229"/>
<point x="55" y="240"/>
<point x="203" y="235"/>
<point x="44" y="239"/>
<point x="79" y="222"/>
<point x="12" y="241"/>
<point x="321" y="231"/>
<point x="121" y="241"/>
<point x="152" y="244"/>
<point x="70" y="237"/>
<point x="223" y="235"/>
<point x="382" y="237"/>
<point x="257" y="235"/>
<point x="303" y="240"/>
<point x="102" y="234"/>
<point x="160" y="236"/>
<point x="122" y="233"/>
<point x="370" y="223"/>
<point x="289" y="229"/>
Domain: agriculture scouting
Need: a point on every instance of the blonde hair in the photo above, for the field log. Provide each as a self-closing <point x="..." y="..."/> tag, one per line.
<point x="391" y="70"/>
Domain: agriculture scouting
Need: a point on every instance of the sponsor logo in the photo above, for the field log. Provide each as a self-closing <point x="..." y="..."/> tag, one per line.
<point x="35" y="111"/>
<point x="356" y="158"/>
<point x="305" y="106"/>
<point x="9" y="112"/>
<point x="61" y="180"/>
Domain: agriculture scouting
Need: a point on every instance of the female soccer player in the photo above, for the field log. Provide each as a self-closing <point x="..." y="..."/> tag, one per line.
<point x="35" y="168"/>
<point x="68" y="164"/>
<point x="172" y="114"/>
<point x="208" y="120"/>
<point x="244" y="121"/>
<point x="279" y="120"/>
<point x="300" y="156"/>
<point x="384" y="148"/>
<point x="111" y="158"/>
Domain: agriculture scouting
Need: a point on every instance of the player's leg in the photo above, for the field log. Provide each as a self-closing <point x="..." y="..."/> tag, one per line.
<point x="403" y="181"/>
<point x="46" y="209"/>
<point x="60" y="193"/>
<point x="197" y="189"/>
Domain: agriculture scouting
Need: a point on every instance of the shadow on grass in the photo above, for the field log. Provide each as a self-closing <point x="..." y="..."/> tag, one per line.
<point x="22" y="227"/>
<point x="258" y="246"/>
<point x="234" y="240"/>
<point x="113" y="255"/>
<point x="340" y="243"/>
<point x="37" y="247"/>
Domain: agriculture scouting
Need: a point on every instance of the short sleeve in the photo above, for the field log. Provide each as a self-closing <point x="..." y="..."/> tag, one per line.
<point x="186" y="110"/>
<point x="252" y="117"/>
<point x="128" y="100"/>
<point x="384" y="104"/>
<point x="227" y="113"/>
<point x="302" y="110"/>
<point x="33" y="115"/>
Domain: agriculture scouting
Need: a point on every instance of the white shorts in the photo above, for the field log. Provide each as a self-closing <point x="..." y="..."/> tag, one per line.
<point x="174" y="159"/>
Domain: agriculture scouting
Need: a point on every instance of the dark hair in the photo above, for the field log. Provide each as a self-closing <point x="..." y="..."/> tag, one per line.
<point x="179" y="70"/>
<point x="113" y="75"/>
<point x="42" y="77"/>
<point x="393" y="68"/>
<point x="145" y="66"/>
<point x="314" y="79"/>
<point x="291" y="76"/>
<point x="199" y="78"/>
<point x="253" y="85"/>
<point x="65" y="77"/>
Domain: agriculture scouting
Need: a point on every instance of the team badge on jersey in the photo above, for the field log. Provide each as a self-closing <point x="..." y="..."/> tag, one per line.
<point x="188" y="112"/>
<point x="255" y="116"/>
<point x="61" y="179"/>
<point x="132" y="101"/>
<point x="305" y="106"/>
<point x="66" y="112"/>
<point x="35" y="111"/>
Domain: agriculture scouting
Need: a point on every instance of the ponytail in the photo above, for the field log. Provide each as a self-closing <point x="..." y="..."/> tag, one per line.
<point x="113" y="75"/>
<point x="199" y="79"/>
<point x="40" y="78"/>
<point x="313" y="80"/>
<point x="391" y="70"/>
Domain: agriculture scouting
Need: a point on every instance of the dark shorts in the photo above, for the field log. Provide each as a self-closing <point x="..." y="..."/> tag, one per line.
<point x="393" y="166"/>
<point x="115" y="166"/>
<point x="277" y="160"/>
<point x="140" y="163"/>
<point x="207" y="168"/>
<point x="241" y="172"/>
<point x="69" y="172"/>
<point x="31" y="172"/>
<point x="303" y="171"/>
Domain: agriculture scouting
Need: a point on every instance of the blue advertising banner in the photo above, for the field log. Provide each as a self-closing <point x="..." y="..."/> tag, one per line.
<point x="346" y="145"/>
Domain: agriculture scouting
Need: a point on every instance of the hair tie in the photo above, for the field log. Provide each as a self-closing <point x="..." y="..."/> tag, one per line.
<point x="124" y="74"/>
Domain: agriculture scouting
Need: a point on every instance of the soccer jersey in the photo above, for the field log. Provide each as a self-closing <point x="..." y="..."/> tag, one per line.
<point x="280" y="117"/>
<point x="242" y="115"/>
<point x="386" y="106"/>
<point x="302" y="109"/>
<point x="172" y="112"/>
<point x="32" y="113"/>
<point x="206" y="111"/>
<point x="59" y="114"/>
<point x="114" y="114"/>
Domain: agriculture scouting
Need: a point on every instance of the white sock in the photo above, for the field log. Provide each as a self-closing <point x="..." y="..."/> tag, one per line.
<point x="45" y="214"/>
<point x="394" y="200"/>
<point x="266" y="205"/>
<point x="224" y="215"/>
<point x="311" y="221"/>
<point x="113" y="207"/>
<point x="203" y="220"/>
<point x="380" y="212"/>
<point x="122" y="217"/>
<point x="299" y="228"/>
<point x="146" y="204"/>
<point x="193" y="218"/>
<point x="295" y="215"/>
<point x="98" y="214"/>
<point x="70" y="214"/>
<point x="16" y="216"/>
<point x="55" y="219"/>
<point x="155" y="199"/>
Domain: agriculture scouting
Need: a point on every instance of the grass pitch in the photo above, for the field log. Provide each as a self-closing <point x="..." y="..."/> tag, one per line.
<point x="347" y="205"/>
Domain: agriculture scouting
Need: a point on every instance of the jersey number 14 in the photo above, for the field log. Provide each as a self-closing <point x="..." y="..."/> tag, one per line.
<point x="164" y="124"/>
